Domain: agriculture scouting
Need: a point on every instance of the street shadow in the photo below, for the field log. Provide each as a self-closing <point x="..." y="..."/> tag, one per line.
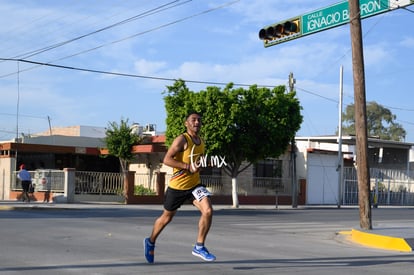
<point x="242" y="264"/>
<point x="55" y="211"/>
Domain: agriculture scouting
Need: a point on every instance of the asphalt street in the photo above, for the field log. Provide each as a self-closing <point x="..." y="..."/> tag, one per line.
<point x="107" y="239"/>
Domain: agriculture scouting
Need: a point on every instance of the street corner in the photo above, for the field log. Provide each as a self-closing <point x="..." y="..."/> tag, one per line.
<point x="344" y="236"/>
<point x="378" y="241"/>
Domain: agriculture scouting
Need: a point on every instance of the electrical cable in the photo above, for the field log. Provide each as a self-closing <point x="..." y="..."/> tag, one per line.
<point x="123" y="39"/>
<point x="141" y="76"/>
<point x="135" y="17"/>
<point x="121" y="74"/>
<point x="155" y="77"/>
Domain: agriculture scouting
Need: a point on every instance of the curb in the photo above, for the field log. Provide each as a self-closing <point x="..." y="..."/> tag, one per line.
<point x="7" y="207"/>
<point x="30" y="207"/>
<point x="379" y="241"/>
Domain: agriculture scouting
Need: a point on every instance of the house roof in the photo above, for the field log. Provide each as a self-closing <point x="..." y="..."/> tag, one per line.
<point x="157" y="144"/>
<point x="154" y="145"/>
<point x="42" y="148"/>
<point x="327" y="152"/>
<point x="351" y="140"/>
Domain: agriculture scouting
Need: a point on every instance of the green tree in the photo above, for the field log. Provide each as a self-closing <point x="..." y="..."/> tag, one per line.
<point x="119" y="141"/>
<point x="242" y="125"/>
<point x="380" y="122"/>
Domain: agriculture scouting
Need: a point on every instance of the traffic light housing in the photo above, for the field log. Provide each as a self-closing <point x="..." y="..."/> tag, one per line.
<point x="280" y="32"/>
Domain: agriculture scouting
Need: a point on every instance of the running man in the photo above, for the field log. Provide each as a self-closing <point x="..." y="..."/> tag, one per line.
<point x="185" y="185"/>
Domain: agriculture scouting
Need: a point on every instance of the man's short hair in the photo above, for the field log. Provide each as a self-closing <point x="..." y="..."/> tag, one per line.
<point x="192" y="113"/>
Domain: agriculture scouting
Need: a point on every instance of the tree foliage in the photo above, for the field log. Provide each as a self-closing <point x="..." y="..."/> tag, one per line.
<point x="243" y="125"/>
<point x="380" y="122"/>
<point x="119" y="141"/>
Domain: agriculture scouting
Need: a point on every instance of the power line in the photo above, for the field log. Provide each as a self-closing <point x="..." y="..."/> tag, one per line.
<point x="155" y="77"/>
<point x="399" y="108"/>
<point x="28" y="116"/>
<point x="407" y="9"/>
<point x="126" y="38"/>
<point x="407" y="122"/>
<point x="135" y="17"/>
<point x="38" y="22"/>
<point x="315" y="94"/>
<point x="152" y="11"/>
<point x="121" y="74"/>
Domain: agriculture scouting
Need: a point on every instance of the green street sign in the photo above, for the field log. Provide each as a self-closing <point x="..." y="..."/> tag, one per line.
<point x="338" y="14"/>
<point x="323" y="19"/>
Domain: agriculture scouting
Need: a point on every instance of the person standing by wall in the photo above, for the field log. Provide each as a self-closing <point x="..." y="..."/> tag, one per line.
<point x="26" y="180"/>
<point x="185" y="186"/>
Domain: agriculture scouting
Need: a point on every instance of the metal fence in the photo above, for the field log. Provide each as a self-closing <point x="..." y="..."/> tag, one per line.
<point x="98" y="183"/>
<point x="388" y="187"/>
<point x="42" y="180"/>
<point x="221" y="185"/>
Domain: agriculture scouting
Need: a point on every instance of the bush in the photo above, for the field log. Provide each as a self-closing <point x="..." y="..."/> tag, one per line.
<point x="141" y="190"/>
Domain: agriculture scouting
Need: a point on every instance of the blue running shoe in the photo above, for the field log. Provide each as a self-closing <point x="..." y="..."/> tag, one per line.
<point x="203" y="254"/>
<point x="149" y="250"/>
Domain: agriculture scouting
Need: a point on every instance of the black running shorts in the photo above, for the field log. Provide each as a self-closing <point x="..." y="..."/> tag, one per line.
<point x="175" y="198"/>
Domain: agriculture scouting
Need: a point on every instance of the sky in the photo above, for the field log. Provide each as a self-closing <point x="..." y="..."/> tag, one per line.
<point x="93" y="62"/>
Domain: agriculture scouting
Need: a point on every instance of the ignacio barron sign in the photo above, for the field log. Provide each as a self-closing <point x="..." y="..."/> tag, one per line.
<point x="325" y="18"/>
<point x="338" y="14"/>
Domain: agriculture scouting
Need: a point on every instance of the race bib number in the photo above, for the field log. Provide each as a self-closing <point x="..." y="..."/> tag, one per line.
<point x="200" y="192"/>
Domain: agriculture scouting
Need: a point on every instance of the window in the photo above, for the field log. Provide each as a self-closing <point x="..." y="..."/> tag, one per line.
<point x="268" y="168"/>
<point x="268" y="174"/>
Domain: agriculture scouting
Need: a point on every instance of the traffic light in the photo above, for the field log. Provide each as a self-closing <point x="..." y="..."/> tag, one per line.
<point x="280" y="32"/>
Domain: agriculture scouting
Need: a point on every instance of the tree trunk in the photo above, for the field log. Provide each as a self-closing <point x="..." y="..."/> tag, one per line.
<point x="234" y="192"/>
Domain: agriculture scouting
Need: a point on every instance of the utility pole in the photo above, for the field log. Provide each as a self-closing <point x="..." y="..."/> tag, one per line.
<point x="362" y="165"/>
<point x="340" y="167"/>
<point x="292" y="82"/>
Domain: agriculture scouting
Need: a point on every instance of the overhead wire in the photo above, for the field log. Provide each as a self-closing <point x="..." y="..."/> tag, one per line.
<point x="19" y="29"/>
<point x="155" y="77"/>
<point x="117" y="41"/>
<point x="126" y="38"/>
<point x="123" y="74"/>
<point x="407" y="9"/>
<point x="347" y="53"/>
<point x="32" y="53"/>
<point x="162" y="7"/>
<point x="318" y="95"/>
<point x="130" y="19"/>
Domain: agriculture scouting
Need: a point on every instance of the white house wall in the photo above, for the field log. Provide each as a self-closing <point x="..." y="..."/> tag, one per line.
<point x="7" y="165"/>
<point x="301" y="160"/>
<point x="322" y="179"/>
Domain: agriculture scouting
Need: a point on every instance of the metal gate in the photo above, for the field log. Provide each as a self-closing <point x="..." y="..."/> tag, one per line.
<point x="98" y="186"/>
<point x="388" y="187"/>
